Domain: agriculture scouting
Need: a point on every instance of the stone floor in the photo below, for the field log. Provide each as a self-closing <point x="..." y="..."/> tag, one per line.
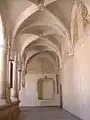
<point x="45" y="113"/>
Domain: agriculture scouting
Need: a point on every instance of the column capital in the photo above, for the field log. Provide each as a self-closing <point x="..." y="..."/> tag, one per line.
<point x="70" y="53"/>
<point x="19" y="70"/>
<point x="11" y="59"/>
<point x="41" y="6"/>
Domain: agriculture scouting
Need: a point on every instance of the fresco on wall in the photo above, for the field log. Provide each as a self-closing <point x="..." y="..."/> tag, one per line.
<point x="75" y="30"/>
<point x="84" y="15"/>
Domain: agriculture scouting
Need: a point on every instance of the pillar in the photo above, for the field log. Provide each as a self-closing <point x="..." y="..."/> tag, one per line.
<point x="8" y="100"/>
<point x="10" y="79"/>
<point x="3" y="65"/>
<point x="23" y="76"/>
<point x="3" y="61"/>
<point x="14" y="89"/>
<point x="19" y="72"/>
<point x="10" y="69"/>
<point x="19" y="79"/>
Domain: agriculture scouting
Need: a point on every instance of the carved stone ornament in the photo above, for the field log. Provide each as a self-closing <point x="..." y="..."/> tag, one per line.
<point x="41" y="7"/>
<point x="84" y="15"/>
<point x="23" y="80"/>
<point x="75" y="30"/>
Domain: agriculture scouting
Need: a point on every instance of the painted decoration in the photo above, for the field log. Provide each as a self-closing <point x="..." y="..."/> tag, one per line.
<point x="84" y="15"/>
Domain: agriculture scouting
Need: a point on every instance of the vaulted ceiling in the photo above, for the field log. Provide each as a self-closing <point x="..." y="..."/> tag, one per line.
<point x="39" y="25"/>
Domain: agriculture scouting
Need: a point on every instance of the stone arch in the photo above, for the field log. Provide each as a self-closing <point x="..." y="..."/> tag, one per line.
<point x="27" y="13"/>
<point x="53" y="60"/>
<point x="28" y="41"/>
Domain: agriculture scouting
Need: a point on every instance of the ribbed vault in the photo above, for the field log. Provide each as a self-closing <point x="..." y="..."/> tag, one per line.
<point x="39" y="25"/>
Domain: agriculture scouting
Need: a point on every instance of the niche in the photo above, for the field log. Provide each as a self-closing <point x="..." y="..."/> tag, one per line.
<point x="46" y="88"/>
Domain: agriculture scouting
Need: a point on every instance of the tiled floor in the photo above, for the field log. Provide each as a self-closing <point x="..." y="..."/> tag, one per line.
<point x="45" y="113"/>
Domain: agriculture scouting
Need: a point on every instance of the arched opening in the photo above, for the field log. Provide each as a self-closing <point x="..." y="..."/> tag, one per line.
<point x="41" y="84"/>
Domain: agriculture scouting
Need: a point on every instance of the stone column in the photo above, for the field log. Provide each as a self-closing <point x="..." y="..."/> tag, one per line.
<point x="3" y="74"/>
<point x="3" y="64"/>
<point x="14" y="89"/>
<point x="19" y="73"/>
<point x="9" y="80"/>
<point x="10" y="74"/>
<point x="19" y="79"/>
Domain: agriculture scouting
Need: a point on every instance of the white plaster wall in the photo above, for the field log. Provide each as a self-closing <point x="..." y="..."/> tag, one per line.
<point x="76" y="82"/>
<point x="29" y="95"/>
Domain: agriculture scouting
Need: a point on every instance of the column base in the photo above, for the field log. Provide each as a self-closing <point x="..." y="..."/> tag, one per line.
<point x="13" y="99"/>
<point x="8" y="101"/>
<point x="14" y="95"/>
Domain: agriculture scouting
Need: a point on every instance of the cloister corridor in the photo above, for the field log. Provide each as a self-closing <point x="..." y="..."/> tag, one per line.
<point x="44" y="59"/>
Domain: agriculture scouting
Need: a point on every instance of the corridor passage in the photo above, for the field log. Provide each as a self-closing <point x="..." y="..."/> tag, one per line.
<point x="45" y="113"/>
